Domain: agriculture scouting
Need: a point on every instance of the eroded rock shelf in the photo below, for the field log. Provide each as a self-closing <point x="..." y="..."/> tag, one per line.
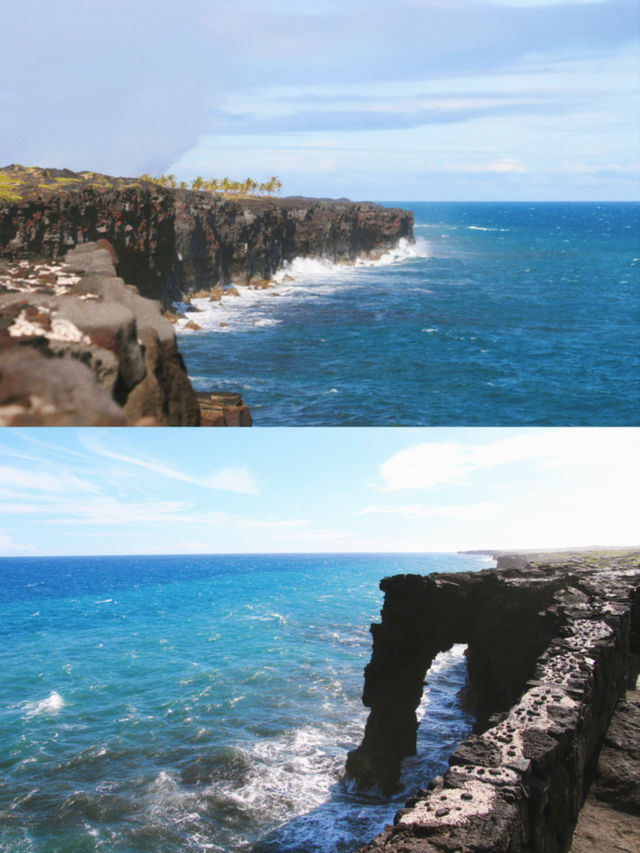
<point x="549" y="651"/>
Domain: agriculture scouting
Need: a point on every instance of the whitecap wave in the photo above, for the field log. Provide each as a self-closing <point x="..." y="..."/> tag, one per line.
<point x="257" y="309"/>
<point x="51" y="705"/>
<point x="404" y="250"/>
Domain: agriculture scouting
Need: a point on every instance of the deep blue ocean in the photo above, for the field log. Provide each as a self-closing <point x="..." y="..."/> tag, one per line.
<point x="199" y="703"/>
<point x="502" y="314"/>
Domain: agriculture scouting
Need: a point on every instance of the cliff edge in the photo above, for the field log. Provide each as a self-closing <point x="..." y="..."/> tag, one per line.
<point x="173" y="242"/>
<point x="79" y="346"/>
<point x="549" y="651"/>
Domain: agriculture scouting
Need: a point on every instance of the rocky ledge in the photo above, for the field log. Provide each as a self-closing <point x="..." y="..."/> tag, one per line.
<point x="549" y="654"/>
<point x="173" y="242"/>
<point x="78" y="346"/>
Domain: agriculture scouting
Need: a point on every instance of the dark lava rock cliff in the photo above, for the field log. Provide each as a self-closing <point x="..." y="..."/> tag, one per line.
<point x="550" y="646"/>
<point x="79" y="346"/>
<point x="173" y="242"/>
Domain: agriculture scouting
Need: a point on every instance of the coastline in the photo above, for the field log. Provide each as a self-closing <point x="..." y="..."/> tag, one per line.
<point x="173" y="242"/>
<point x="120" y="362"/>
<point x="546" y="676"/>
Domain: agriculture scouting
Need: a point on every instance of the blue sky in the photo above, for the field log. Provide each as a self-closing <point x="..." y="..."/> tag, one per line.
<point x="411" y="100"/>
<point x="84" y="491"/>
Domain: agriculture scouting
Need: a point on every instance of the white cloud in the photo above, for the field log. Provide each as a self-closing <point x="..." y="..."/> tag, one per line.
<point x="506" y="165"/>
<point x="262" y="524"/>
<point x="190" y="548"/>
<point x="610" y="451"/>
<point x="425" y="465"/>
<point x="9" y="546"/>
<point x="40" y="481"/>
<point x="468" y="512"/>
<point x="231" y="480"/>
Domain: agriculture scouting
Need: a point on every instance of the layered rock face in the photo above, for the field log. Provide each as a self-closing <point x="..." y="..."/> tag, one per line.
<point x="174" y="242"/>
<point x="548" y="659"/>
<point x="95" y="351"/>
<point x="78" y="346"/>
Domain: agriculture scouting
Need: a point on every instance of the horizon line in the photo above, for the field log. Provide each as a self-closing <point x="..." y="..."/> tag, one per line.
<point x="551" y="549"/>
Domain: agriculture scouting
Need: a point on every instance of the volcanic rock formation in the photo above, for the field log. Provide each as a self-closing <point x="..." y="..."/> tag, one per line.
<point x="548" y="656"/>
<point x="79" y="346"/>
<point x="172" y="242"/>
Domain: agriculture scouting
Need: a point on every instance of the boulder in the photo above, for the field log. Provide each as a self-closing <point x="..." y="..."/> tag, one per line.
<point x="87" y="326"/>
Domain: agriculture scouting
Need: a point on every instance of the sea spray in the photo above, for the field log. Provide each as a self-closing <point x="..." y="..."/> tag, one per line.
<point x="255" y="307"/>
<point x="209" y="705"/>
<point x="509" y="313"/>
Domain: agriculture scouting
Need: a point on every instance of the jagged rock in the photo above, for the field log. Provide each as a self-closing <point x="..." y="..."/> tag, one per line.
<point x="223" y="409"/>
<point x="610" y="818"/>
<point x="175" y="242"/>
<point x="170" y="243"/>
<point x="548" y="658"/>
<point x="38" y="389"/>
<point x="89" y="329"/>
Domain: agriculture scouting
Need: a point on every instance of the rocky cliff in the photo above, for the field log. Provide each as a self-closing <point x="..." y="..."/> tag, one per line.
<point x="549" y="647"/>
<point x="78" y="346"/>
<point x="173" y="242"/>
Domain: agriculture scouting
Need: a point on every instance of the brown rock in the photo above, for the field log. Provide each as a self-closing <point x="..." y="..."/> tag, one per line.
<point x="89" y="327"/>
<point x="223" y="409"/>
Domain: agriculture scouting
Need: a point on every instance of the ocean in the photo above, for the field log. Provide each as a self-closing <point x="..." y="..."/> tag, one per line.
<point x="507" y="314"/>
<point x="192" y="703"/>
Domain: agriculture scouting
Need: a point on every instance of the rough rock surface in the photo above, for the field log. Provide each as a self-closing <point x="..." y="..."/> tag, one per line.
<point x="79" y="346"/>
<point x="610" y="817"/>
<point x="223" y="409"/>
<point x="548" y="658"/>
<point x="174" y="242"/>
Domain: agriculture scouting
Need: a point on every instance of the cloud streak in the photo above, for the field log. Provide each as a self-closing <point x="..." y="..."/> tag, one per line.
<point x="227" y="479"/>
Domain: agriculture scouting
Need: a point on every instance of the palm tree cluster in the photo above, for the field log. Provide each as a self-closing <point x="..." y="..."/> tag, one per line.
<point x="220" y="186"/>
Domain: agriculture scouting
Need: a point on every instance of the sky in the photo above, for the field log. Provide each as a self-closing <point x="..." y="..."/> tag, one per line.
<point x="84" y="491"/>
<point x="450" y="100"/>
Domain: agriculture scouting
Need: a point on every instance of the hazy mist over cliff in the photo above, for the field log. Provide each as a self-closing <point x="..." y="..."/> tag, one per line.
<point x="417" y="100"/>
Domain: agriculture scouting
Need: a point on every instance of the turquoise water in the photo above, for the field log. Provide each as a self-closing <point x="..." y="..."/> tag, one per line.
<point x="199" y="703"/>
<point x="503" y="314"/>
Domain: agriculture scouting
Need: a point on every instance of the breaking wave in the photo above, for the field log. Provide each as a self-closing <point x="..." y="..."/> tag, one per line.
<point x="248" y="308"/>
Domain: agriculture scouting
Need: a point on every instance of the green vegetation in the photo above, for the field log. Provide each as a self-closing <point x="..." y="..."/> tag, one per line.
<point x="595" y="558"/>
<point x="7" y="188"/>
<point x="19" y="182"/>
<point x="220" y="186"/>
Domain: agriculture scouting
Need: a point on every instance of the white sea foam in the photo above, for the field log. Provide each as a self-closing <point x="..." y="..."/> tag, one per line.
<point x="403" y="251"/>
<point x="482" y="228"/>
<point x="51" y="705"/>
<point x="301" y="278"/>
<point x="443" y="662"/>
